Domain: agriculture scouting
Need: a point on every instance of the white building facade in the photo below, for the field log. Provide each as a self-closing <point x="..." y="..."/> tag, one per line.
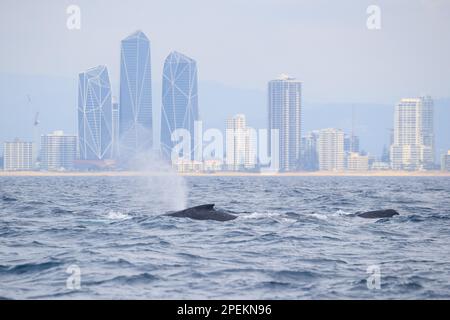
<point x="58" y="151"/>
<point x="413" y="146"/>
<point x="331" y="150"/>
<point x="285" y="108"/>
<point x="18" y="156"/>
<point x="357" y="162"/>
<point x="240" y="144"/>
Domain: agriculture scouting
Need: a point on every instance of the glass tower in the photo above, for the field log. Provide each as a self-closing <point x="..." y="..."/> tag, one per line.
<point x="179" y="99"/>
<point x="135" y="115"/>
<point x="94" y="114"/>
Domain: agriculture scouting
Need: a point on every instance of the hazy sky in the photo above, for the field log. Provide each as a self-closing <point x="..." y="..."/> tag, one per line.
<point x="244" y="44"/>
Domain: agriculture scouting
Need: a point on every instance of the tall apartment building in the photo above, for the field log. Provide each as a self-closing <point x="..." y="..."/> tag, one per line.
<point x="413" y="146"/>
<point x="285" y="107"/>
<point x="310" y="155"/>
<point x="240" y="144"/>
<point x="58" y="151"/>
<point x="331" y="150"/>
<point x="351" y="143"/>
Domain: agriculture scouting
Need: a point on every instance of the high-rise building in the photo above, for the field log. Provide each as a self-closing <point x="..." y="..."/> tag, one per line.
<point x="135" y="120"/>
<point x="285" y="107"/>
<point x="179" y="100"/>
<point x="95" y="114"/>
<point x="413" y="147"/>
<point x="58" y="151"/>
<point x="310" y="155"/>
<point x="115" y="129"/>
<point x="331" y="150"/>
<point x="385" y="154"/>
<point x="18" y="156"/>
<point x="240" y="144"/>
<point x="351" y="143"/>
<point x="445" y="161"/>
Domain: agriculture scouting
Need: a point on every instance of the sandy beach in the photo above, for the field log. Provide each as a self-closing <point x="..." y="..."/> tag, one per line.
<point x="224" y="174"/>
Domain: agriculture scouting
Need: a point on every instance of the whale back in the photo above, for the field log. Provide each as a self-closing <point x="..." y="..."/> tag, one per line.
<point x="209" y="206"/>
<point x="203" y="212"/>
<point x="378" y="214"/>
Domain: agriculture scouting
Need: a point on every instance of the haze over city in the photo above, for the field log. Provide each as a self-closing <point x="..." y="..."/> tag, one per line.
<point x="327" y="46"/>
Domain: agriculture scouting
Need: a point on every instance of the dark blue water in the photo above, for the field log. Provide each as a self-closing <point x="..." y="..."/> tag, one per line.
<point x="294" y="238"/>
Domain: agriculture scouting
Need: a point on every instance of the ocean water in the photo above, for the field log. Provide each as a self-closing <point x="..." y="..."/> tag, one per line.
<point x="294" y="238"/>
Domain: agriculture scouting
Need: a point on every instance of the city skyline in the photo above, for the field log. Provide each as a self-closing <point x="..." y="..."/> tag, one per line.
<point x="108" y="130"/>
<point x="137" y="123"/>
<point x="350" y="70"/>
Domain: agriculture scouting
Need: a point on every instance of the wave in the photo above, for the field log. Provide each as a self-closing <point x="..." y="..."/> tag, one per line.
<point x="141" y="278"/>
<point x="9" y="199"/>
<point x="58" y="210"/>
<point x="319" y="216"/>
<point x="29" y="267"/>
<point x="274" y="216"/>
<point x="294" y="275"/>
<point x="117" y="215"/>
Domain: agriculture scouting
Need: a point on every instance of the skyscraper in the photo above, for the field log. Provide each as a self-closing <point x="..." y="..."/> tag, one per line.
<point x="351" y="143"/>
<point x="241" y="144"/>
<point x="18" y="155"/>
<point x="179" y="99"/>
<point x="413" y="146"/>
<point x="95" y="114"/>
<point x="285" y="116"/>
<point x="135" y="120"/>
<point x="331" y="150"/>
<point x="58" y="151"/>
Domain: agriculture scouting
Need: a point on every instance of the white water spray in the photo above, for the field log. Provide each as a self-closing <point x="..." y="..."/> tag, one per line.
<point x="157" y="184"/>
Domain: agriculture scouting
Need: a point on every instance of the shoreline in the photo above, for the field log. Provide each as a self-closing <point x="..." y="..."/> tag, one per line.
<point x="224" y="174"/>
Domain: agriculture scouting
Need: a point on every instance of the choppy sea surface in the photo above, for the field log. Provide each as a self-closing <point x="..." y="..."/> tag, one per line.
<point x="295" y="238"/>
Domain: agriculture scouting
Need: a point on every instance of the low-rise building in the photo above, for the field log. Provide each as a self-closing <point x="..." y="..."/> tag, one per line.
<point x="18" y="155"/>
<point x="186" y="165"/>
<point x="212" y="165"/>
<point x="380" y="165"/>
<point x="357" y="162"/>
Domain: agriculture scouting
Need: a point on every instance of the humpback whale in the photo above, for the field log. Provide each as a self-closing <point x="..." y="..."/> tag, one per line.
<point x="377" y="214"/>
<point x="203" y="212"/>
<point x="208" y="212"/>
